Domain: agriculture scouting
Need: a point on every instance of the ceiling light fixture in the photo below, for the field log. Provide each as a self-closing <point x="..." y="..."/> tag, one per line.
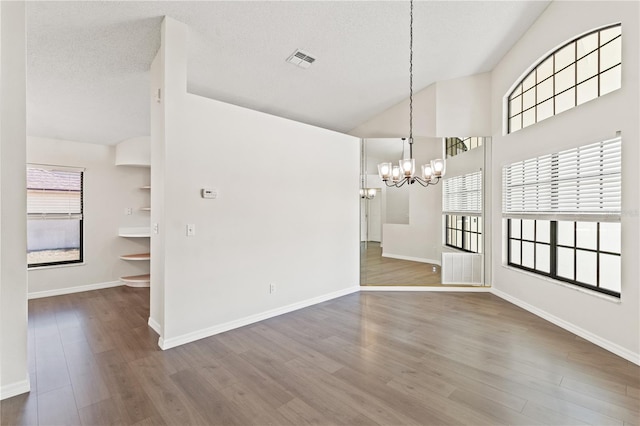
<point x="403" y="173"/>
<point x="368" y="193"/>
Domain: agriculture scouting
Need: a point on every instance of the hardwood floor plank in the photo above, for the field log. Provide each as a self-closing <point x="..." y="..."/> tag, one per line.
<point x="547" y="416"/>
<point x="58" y="407"/>
<point x="89" y="388"/>
<point x="103" y="413"/>
<point x="299" y="413"/>
<point x="167" y="398"/>
<point x="364" y="403"/>
<point x="363" y="359"/>
<point x="127" y="393"/>
<point x="335" y="409"/>
<point x="21" y="410"/>
<point x="210" y="403"/>
<point x="51" y="364"/>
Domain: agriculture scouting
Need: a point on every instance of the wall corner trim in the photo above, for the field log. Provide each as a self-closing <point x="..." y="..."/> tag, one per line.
<point x="241" y="322"/>
<point x="578" y="331"/>
<point x="13" y="389"/>
<point x="76" y="289"/>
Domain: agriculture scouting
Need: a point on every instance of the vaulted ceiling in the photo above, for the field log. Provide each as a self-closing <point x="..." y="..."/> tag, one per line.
<point x="88" y="62"/>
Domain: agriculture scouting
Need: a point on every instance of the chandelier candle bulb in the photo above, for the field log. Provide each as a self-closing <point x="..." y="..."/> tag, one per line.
<point x="427" y="172"/>
<point x="438" y="167"/>
<point x="408" y="166"/>
<point x="395" y="173"/>
<point x="384" y="170"/>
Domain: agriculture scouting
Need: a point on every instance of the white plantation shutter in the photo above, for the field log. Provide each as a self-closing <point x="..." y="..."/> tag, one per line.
<point x="54" y="193"/>
<point x="462" y="194"/>
<point x="579" y="182"/>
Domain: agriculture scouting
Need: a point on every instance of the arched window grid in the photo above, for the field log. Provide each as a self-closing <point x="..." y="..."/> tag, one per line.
<point x="579" y="71"/>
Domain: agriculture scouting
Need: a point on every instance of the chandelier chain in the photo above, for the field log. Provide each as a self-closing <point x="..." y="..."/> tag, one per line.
<point x="411" y="79"/>
<point x="397" y="176"/>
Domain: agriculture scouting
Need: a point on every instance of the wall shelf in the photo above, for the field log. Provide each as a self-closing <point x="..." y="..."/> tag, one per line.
<point x="137" y="256"/>
<point x="134" y="232"/>
<point x="137" y="280"/>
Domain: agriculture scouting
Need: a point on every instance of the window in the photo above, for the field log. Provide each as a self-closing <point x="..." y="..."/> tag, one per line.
<point x="464" y="232"/>
<point x="563" y="215"/>
<point x="54" y="215"/>
<point x="581" y="70"/>
<point x="455" y="146"/>
<point x="462" y="205"/>
<point x="586" y="254"/>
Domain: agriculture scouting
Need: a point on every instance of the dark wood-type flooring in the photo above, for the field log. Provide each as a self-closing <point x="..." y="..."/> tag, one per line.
<point x="363" y="359"/>
<point x="376" y="270"/>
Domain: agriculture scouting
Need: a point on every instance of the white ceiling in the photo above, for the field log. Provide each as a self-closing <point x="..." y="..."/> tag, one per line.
<point x="88" y="61"/>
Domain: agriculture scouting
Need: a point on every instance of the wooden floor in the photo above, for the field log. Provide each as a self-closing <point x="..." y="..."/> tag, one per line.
<point x="363" y="359"/>
<point x="377" y="270"/>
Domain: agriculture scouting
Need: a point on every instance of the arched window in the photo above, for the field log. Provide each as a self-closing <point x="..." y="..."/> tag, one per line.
<point x="579" y="71"/>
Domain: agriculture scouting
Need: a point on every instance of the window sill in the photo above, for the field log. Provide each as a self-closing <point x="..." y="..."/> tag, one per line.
<point x="606" y="297"/>
<point x="66" y="265"/>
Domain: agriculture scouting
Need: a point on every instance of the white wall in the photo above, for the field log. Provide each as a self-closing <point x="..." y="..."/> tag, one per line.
<point x="14" y="376"/>
<point x="463" y="106"/>
<point x="108" y="190"/>
<point x="394" y="122"/>
<point x="156" y="292"/>
<point x="612" y="324"/>
<point x="279" y="217"/>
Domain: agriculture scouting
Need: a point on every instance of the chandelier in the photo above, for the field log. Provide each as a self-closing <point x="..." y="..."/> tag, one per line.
<point x="368" y="193"/>
<point x="405" y="171"/>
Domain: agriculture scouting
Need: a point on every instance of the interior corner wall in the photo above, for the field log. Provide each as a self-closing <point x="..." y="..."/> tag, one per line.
<point x="463" y="106"/>
<point x="108" y="190"/>
<point x="612" y="324"/>
<point x="156" y="290"/>
<point x="14" y="375"/>
<point x="278" y="219"/>
<point x="394" y="122"/>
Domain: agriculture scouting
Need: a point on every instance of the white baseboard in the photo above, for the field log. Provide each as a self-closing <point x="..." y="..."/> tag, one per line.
<point x="155" y="326"/>
<point x="458" y="289"/>
<point x="13" y="389"/>
<point x="241" y="322"/>
<point x="413" y="259"/>
<point x="77" y="289"/>
<point x="578" y="331"/>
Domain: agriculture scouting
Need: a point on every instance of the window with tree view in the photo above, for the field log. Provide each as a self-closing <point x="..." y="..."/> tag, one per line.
<point x="54" y="215"/>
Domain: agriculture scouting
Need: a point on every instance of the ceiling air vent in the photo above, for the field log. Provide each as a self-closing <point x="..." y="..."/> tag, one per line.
<point x="301" y="59"/>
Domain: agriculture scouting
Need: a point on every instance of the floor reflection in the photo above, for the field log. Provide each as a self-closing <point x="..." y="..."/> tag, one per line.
<point x="377" y="270"/>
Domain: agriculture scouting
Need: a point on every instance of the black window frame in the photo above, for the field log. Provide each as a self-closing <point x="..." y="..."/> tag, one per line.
<point x="465" y="230"/>
<point x="519" y="91"/>
<point x="553" y="253"/>
<point x="80" y="230"/>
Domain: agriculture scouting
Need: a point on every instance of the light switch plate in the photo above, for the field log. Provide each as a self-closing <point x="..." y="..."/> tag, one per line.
<point x="191" y="230"/>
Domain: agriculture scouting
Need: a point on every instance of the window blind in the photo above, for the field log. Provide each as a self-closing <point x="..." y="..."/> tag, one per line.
<point x="54" y="193"/>
<point x="462" y="194"/>
<point x="581" y="181"/>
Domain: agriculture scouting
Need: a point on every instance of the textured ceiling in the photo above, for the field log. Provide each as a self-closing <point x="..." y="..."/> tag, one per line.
<point x="88" y="61"/>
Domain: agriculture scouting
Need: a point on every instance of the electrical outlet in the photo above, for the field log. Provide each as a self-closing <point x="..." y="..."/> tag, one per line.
<point x="272" y="288"/>
<point x="156" y="228"/>
<point x="128" y="211"/>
